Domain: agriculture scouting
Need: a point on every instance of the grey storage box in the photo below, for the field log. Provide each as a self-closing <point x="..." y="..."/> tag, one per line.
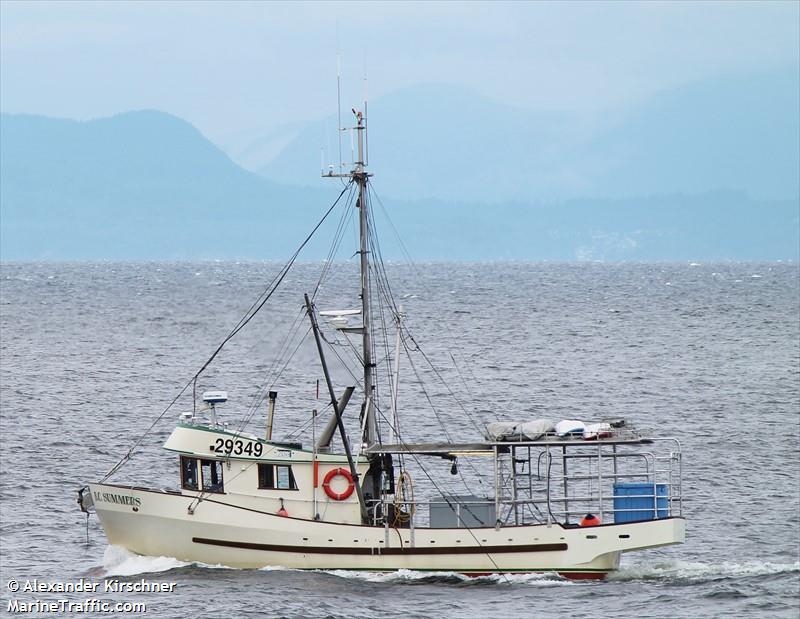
<point x="460" y="511"/>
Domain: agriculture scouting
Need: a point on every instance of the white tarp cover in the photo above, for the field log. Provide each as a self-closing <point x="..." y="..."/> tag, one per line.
<point x="518" y="430"/>
<point x="503" y="431"/>
<point x="569" y="426"/>
<point x="537" y="428"/>
<point x="597" y="430"/>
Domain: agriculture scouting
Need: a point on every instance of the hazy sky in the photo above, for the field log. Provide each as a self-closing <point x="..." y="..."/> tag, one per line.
<point x="239" y="68"/>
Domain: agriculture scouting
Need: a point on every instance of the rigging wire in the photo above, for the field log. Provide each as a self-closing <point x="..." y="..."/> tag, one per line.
<point x="325" y="273"/>
<point x="450" y="504"/>
<point x="380" y="411"/>
<point x="384" y="291"/>
<point x="138" y="441"/>
<point x="344" y="220"/>
<point x="246" y="318"/>
<point x="438" y="374"/>
<point x="416" y="270"/>
<point x="442" y="424"/>
<point x="270" y="290"/>
<point x="274" y="373"/>
<point x="306" y="424"/>
<point x="265" y="390"/>
<point x="445" y="383"/>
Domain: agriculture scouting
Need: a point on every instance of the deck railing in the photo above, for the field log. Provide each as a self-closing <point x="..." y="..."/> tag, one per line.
<point x="561" y="483"/>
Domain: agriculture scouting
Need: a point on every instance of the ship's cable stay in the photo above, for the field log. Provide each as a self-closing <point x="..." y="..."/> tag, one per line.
<point x="390" y="298"/>
<point x="444" y="429"/>
<point x="385" y="293"/>
<point x="299" y="430"/>
<point x="344" y="221"/>
<point x="246" y="318"/>
<point x="264" y="391"/>
<point x="286" y="351"/>
<point x="288" y="348"/>
<point x="138" y="441"/>
<point x="421" y="385"/>
<point x="281" y="361"/>
<point x="464" y="382"/>
<point x="413" y="265"/>
<point x="449" y="502"/>
<point x="386" y="348"/>
<point x="475" y="470"/>
<point x="333" y="347"/>
<point x="358" y="382"/>
<point x="384" y="299"/>
<point x="441" y="378"/>
<point x="397" y="237"/>
<point x="273" y="285"/>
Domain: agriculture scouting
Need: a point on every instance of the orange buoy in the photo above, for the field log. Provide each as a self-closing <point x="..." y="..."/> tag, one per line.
<point x="282" y="511"/>
<point x="590" y="520"/>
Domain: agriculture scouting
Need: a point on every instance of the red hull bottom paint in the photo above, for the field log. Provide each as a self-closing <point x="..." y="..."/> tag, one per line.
<point x="568" y="575"/>
<point x="584" y="575"/>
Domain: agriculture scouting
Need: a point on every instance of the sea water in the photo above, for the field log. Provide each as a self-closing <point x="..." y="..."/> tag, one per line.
<point x="707" y="353"/>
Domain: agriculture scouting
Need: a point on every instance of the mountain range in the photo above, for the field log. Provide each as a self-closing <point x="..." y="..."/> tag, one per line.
<point x="707" y="172"/>
<point x="735" y="133"/>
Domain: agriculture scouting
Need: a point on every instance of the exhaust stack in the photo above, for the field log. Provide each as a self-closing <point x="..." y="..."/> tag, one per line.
<point x="273" y="395"/>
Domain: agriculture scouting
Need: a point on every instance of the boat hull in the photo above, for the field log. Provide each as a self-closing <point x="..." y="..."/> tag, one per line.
<point x="224" y="530"/>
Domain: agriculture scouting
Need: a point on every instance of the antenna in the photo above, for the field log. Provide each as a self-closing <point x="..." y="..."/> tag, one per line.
<point x="339" y="105"/>
<point x="358" y="139"/>
<point x="366" y="115"/>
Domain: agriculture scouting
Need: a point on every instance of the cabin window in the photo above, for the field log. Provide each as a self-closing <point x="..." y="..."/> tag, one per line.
<point x="212" y="475"/>
<point x="276" y="477"/>
<point x="189" y="474"/>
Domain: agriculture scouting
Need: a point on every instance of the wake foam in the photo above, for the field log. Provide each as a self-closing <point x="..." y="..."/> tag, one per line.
<point x="118" y="561"/>
<point x="543" y="579"/>
<point x="684" y="571"/>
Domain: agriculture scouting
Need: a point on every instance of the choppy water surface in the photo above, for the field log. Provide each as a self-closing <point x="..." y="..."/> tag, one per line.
<point x="92" y="353"/>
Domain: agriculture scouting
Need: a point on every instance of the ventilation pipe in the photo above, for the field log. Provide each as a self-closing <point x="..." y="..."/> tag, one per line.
<point x="273" y="395"/>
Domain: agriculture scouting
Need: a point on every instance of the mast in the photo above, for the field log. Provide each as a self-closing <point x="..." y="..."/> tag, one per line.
<point x="360" y="176"/>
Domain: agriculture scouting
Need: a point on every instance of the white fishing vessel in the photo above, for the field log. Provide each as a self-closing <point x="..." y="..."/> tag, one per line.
<point x="565" y="496"/>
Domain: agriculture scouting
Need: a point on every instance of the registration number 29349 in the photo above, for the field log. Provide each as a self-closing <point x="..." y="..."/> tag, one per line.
<point x="237" y="447"/>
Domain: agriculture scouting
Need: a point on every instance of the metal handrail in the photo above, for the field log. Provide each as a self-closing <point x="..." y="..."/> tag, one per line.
<point x="518" y="494"/>
<point x="535" y="483"/>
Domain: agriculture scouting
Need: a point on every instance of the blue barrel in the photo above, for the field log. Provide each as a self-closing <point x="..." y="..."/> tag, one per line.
<point x="634" y="501"/>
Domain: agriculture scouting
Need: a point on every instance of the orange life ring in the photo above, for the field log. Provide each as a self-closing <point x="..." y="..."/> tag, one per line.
<point x="338" y="496"/>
